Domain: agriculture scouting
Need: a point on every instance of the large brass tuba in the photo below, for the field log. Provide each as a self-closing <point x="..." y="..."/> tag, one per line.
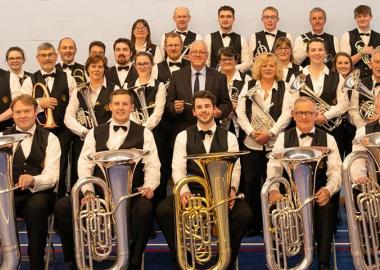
<point x="300" y="86"/>
<point x="50" y="123"/>
<point x="288" y="228"/>
<point x="97" y="220"/>
<point x="8" y="234"/>
<point x="363" y="205"/>
<point x="195" y="221"/>
<point x="86" y="118"/>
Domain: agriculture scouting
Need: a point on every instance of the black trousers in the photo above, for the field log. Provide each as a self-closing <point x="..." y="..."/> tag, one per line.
<point x="239" y="219"/>
<point x="141" y="220"/>
<point x="35" y="208"/>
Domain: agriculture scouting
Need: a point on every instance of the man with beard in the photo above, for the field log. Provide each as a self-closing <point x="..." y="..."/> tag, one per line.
<point x="123" y="72"/>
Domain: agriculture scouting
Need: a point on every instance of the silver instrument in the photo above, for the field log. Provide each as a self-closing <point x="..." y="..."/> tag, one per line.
<point x="140" y="115"/>
<point x="184" y="54"/>
<point x="8" y="233"/>
<point x="97" y="220"/>
<point x="300" y="86"/>
<point x="86" y="118"/>
<point x="359" y="45"/>
<point x="260" y="49"/>
<point x="363" y="204"/>
<point x="234" y="96"/>
<point x="288" y="228"/>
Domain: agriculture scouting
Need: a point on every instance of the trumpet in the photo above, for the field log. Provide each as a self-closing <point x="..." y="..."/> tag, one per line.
<point x="260" y="49"/>
<point x="359" y="45"/>
<point x="50" y="123"/>
<point x="86" y="118"/>
<point x="185" y="51"/>
<point x="363" y="204"/>
<point x="300" y="86"/>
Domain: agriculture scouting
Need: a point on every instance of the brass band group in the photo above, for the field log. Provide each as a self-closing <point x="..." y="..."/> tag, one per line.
<point x="195" y="133"/>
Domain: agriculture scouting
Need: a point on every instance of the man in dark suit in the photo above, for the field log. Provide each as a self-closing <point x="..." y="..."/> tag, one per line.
<point x="191" y="79"/>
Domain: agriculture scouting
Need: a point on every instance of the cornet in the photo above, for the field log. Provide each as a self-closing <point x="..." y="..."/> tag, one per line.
<point x="50" y="123"/>
<point x="359" y="45"/>
<point x="79" y="76"/>
<point x="234" y="96"/>
<point x="260" y="49"/>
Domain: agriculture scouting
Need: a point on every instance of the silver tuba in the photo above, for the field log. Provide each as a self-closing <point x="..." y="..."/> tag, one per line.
<point x="86" y="118"/>
<point x="288" y="228"/>
<point x="299" y="85"/>
<point x="363" y="205"/>
<point x="359" y="46"/>
<point x="8" y="233"/>
<point x="97" y="220"/>
<point x="140" y="115"/>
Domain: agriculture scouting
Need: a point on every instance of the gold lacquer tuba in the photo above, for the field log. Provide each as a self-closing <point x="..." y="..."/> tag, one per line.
<point x="50" y="123"/>
<point x="97" y="220"/>
<point x="86" y="118"/>
<point x="300" y="86"/>
<point x="288" y="228"/>
<point x="195" y="221"/>
<point x="8" y="234"/>
<point x="363" y="205"/>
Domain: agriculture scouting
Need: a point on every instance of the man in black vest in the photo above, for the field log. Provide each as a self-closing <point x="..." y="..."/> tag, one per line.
<point x="119" y="133"/>
<point x="35" y="171"/>
<point x="123" y="72"/>
<point x="317" y="19"/>
<point x="362" y="36"/>
<point x="266" y="38"/>
<point x="204" y="137"/>
<point x="328" y="179"/>
<point x="225" y="37"/>
<point x="59" y="86"/>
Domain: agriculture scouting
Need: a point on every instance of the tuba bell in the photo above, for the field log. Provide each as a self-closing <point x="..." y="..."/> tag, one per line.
<point x="50" y="123"/>
<point x="288" y="228"/>
<point x="195" y="221"/>
<point x="97" y="220"/>
<point x="8" y="234"/>
<point x="86" y="118"/>
<point x="363" y="204"/>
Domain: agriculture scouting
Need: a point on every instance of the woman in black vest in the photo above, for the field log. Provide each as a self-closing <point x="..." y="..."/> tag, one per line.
<point x="140" y="37"/>
<point x="268" y="88"/>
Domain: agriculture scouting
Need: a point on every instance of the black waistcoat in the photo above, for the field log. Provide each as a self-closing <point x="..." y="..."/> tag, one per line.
<point x="330" y="48"/>
<point x="319" y="139"/>
<point x="164" y="73"/>
<point x="60" y="91"/>
<point x="150" y="96"/>
<point x="295" y="69"/>
<point x="75" y="66"/>
<point x="5" y="90"/>
<point x="260" y="36"/>
<point x="112" y="76"/>
<point x="239" y="84"/>
<point x="217" y="43"/>
<point x="134" y="139"/>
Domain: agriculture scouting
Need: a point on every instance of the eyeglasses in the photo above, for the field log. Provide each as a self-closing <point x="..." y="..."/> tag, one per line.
<point x="143" y="64"/>
<point x="198" y="52"/>
<point x="283" y="49"/>
<point x="270" y="17"/>
<point x="15" y="58"/>
<point x="307" y="114"/>
<point x="227" y="60"/>
<point x="49" y="55"/>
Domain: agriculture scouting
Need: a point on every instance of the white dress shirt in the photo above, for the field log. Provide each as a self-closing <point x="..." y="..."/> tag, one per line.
<point x="334" y="162"/>
<point x="116" y="138"/>
<point x="122" y="74"/>
<point x="179" y="163"/>
<point x="157" y="57"/>
<point x="159" y="104"/>
<point x="345" y="41"/>
<point x="50" y="173"/>
<point x="281" y="123"/>
<point x="285" y="72"/>
<point x="14" y="84"/>
<point x="270" y="40"/>
<point x="246" y="60"/>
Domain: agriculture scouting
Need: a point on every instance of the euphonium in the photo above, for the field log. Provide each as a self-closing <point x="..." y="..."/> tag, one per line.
<point x="359" y="45"/>
<point x="195" y="221"/>
<point x="363" y="205"/>
<point x="8" y="234"/>
<point x="234" y="96"/>
<point x="300" y="86"/>
<point x="79" y="76"/>
<point x="86" y="118"/>
<point x="50" y="123"/>
<point x="260" y="49"/>
<point x="97" y="220"/>
<point x="141" y="115"/>
<point x="288" y="228"/>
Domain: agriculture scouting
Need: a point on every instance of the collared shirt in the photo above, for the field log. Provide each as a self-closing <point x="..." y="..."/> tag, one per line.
<point x="14" y="83"/>
<point x="157" y="57"/>
<point x="281" y="123"/>
<point x="179" y="163"/>
<point x="50" y="173"/>
<point x="334" y="162"/>
<point x="159" y="104"/>
<point x="122" y="74"/>
<point x="285" y="72"/>
<point x="345" y="41"/>
<point x="270" y="40"/>
<point x="70" y="119"/>
<point x="201" y="76"/>
<point x="116" y="138"/>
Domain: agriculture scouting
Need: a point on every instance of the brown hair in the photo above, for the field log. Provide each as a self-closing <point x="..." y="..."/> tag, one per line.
<point x="118" y="92"/>
<point x="25" y="99"/>
<point x="204" y="94"/>
<point x="93" y="59"/>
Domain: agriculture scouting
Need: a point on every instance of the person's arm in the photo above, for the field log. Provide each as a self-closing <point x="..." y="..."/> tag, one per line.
<point x="233" y="146"/>
<point x="224" y="102"/>
<point x="85" y="165"/>
<point x="299" y="51"/>
<point x="151" y="162"/>
<point x="72" y="84"/>
<point x="159" y="106"/>
<point x="274" y="167"/>
<point x="158" y="56"/>
<point x="243" y="121"/>
<point x="70" y="119"/>
<point x="353" y="111"/>
<point x="246" y="60"/>
<point x="334" y="165"/>
<point x="342" y="104"/>
<point x="179" y="161"/>
<point x="207" y="40"/>
<point x="172" y="96"/>
<point x="286" y="114"/>
<point x="359" y="167"/>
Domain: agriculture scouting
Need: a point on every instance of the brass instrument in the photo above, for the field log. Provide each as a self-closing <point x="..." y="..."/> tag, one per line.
<point x="367" y="109"/>
<point x="234" y="96"/>
<point x="195" y="221"/>
<point x="97" y="220"/>
<point x="50" y="123"/>
<point x="300" y="86"/>
<point x="141" y="115"/>
<point x="8" y="233"/>
<point x="359" y="45"/>
<point x="79" y="76"/>
<point x="86" y="118"/>
<point x="260" y="49"/>
<point x="305" y="38"/>
<point x="288" y="228"/>
<point x="184" y="54"/>
<point x="363" y="204"/>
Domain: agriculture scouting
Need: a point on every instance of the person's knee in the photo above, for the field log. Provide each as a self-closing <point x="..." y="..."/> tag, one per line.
<point x="63" y="207"/>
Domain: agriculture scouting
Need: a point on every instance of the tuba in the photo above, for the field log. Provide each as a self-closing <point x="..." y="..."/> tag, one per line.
<point x="50" y="123"/>
<point x="86" y="118"/>
<point x="97" y="220"/>
<point x="300" y="86"/>
<point x="288" y="228"/>
<point x="195" y="221"/>
<point x="141" y="115"/>
<point x="359" y="46"/>
<point x="260" y="49"/>
<point x="363" y="205"/>
<point x="8" y="234"/>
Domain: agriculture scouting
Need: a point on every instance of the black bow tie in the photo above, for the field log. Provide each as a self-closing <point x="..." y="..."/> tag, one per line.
<point x="303" y="135"/>
<point x="269" y="34"/>
<point x="203" y="133"/>
<point x="64" y="66"/>
<point x="182" y="33"/>
<point x="21" y="79"/>
<point x="48" y="75"/>
<point x="227" y="35"/>
<point x="126" y="68"/>
<point x="364" y="34"/>
<point x="22" y="132"/>
<point x="116" y="128"/>
<point x="178" y="64"/>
